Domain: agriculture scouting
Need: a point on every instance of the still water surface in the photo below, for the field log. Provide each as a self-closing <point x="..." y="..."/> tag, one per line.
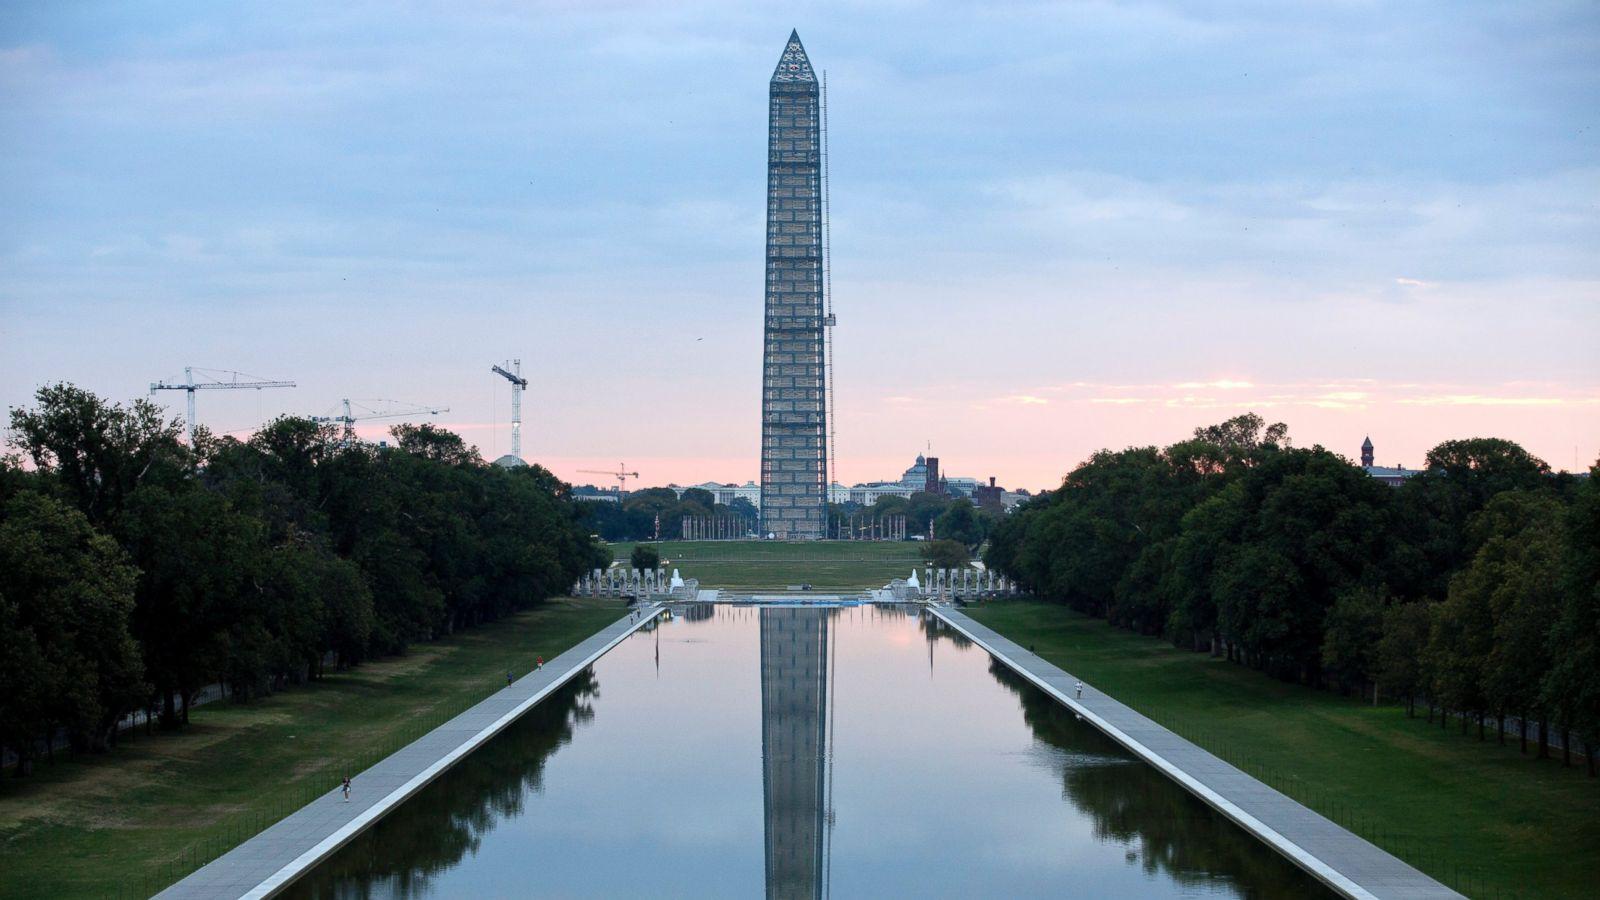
<point x="802" y="752"/>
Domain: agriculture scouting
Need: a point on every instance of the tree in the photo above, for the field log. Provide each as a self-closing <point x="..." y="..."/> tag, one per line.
<point x="944" y="554"/>
<point x="960" y="522"/>
<point x="67" y="659"/>
<point x="1521" y="559"/>
<point x="1458" y="649"/>
<point x="616" y="521"/>
<point x="645" y="557"/>
<point x="920" y="510"/>
<point x="699" y="497"/>
<point x="1434" y="507"/>
<point x="1243" y="437"/>
<point x="1350" y="638"/>
<point x="1571" y="688"/>
<point x="99" y="453"/>
<point x="1400" y="661"/>
<point x="198" y="557"/>
<point x="1309" y="527"/>
<point x="431" y="442"/>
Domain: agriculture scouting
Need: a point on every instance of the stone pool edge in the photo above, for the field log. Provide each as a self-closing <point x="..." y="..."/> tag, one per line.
<point x="1420" y="885"/>
<point x="196" y="884"/>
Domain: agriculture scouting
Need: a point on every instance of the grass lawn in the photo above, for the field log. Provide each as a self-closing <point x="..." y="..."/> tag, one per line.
<point x="1478" y="816"/>
<point x="773" y="565"/>
<point x="127" y="821"/>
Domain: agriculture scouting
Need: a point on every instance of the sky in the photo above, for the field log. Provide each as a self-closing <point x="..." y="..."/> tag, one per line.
<point x="1056" y="227"/>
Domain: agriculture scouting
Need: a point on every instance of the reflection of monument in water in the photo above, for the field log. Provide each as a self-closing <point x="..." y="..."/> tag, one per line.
<point x="794" y="748"/>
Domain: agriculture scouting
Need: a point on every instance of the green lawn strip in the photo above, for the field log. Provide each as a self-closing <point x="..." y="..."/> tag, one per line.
<point x="1478" y="816"/>
<point x="774" y="565"/>
<point x="829" y="576"/>
<point x="778" y="551"/>
<point x="133" y="820"/>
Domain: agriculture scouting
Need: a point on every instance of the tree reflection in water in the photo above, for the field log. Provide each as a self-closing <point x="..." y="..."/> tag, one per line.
<point x="448" y="818"/>
<point x="1163" y="827"/>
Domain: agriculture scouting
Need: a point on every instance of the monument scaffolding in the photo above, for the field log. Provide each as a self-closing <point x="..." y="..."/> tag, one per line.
<point x="794" y="401"/>
<point x="828" y="320"/>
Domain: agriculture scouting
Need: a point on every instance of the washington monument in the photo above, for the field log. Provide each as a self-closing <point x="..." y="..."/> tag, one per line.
<point x="794" y="450"/>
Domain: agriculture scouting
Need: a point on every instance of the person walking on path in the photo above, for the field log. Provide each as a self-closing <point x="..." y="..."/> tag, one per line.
<point x="538" y="662"/>
<point x="508" y="678"/>
<point x="1080" y="690"/>
<point x="346" y="788"/>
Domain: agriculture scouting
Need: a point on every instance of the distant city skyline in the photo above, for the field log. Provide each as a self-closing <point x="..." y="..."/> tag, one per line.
<point x="1055" y="229"/>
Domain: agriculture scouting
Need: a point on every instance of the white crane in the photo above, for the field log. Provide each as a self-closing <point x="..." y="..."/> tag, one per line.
<point x="518" y="385"/>
<point x="621" y="475"/>
<point x="359" y="411"/>
<point x="216" y="383"/>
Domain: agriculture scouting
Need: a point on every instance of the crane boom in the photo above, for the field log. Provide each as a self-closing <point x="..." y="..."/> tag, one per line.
<point x="359" y="411"/>
<point x="518" y="385"/>
<point x="189" y="385"/>
<point x="621" y="475"/>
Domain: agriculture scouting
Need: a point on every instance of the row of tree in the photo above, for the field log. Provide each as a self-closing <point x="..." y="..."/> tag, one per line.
<point x="1474" y="586"/>
<point x="658" y="513"/>
<point x="139" y="570"/>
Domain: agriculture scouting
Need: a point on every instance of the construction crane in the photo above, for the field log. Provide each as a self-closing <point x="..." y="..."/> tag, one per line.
<point x="621" y="475"/>
<point x="217" y="382"/>
<point x="358" y="411"/>
<point x="518" y="385"/>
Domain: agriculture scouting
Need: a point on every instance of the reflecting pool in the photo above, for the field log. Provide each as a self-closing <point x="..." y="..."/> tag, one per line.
<point x="802" y="752"/>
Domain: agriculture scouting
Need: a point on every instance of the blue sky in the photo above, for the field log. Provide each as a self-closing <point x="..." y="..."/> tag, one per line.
<point x="1056" y="227"/>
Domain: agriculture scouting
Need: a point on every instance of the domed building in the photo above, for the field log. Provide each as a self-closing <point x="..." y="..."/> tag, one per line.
<point x="916" y="477"/>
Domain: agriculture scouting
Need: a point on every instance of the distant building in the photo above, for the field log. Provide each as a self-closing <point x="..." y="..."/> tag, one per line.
<point x="923" y="476"/>
<point x="868" y="494"/>
<point x="916" y="477"/>
<point x="594" y="494"/>
<point x="988" y="493"/>
<point x="960" y="487"/>
<point x="725" y="494"/>
<point x="1013" y="499"/>
<point x="1392" y="476"/>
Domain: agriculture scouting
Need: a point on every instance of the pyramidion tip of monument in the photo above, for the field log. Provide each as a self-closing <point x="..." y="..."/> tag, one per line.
<point x="793" y="64"/>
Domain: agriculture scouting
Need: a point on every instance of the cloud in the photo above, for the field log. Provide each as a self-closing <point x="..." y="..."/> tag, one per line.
<point x="1221" y="385"/>
<point x="1482" y="400"/>
<point x="1317" y="394"/>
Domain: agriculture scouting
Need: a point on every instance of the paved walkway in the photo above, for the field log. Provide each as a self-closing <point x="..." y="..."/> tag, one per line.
<point x="1340" y="859"/>
<point x="265" y="864"/>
